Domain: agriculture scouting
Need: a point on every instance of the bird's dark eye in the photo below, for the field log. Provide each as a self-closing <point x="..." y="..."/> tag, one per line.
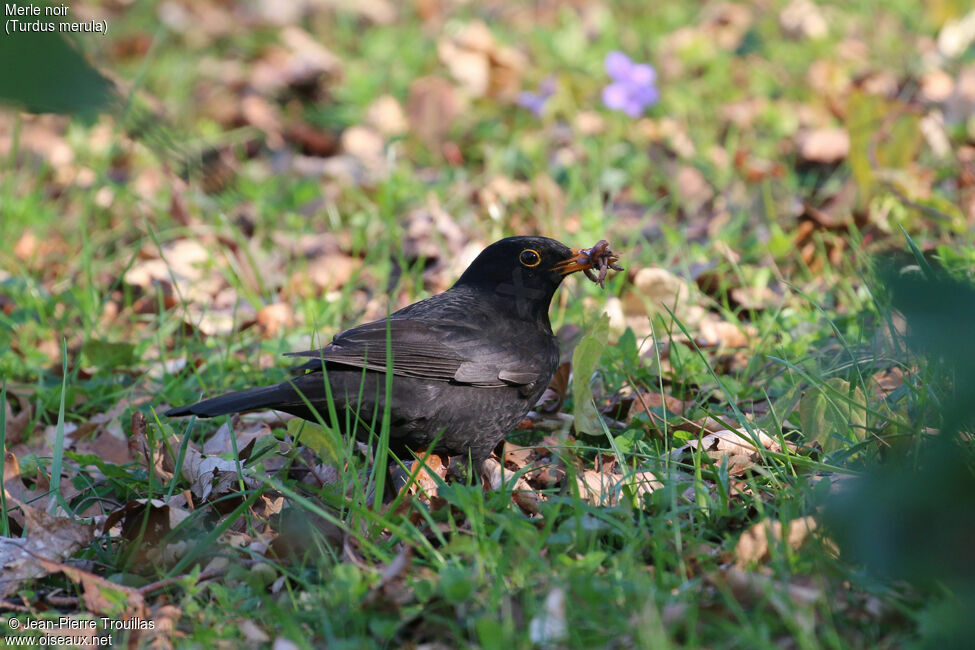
<point x="530" y="258"/>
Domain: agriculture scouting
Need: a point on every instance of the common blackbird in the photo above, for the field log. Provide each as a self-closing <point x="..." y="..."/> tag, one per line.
<point x="467" y="363"/>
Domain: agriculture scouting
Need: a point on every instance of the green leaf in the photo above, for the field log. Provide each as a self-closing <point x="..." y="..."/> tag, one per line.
<point x="585" y="360"/>
<point x="105" y="354"/>
<point x="833" y="414"/>
<point x="876" y="129"/>
<point x="322" y="440"/>
<point x="46" y="73"/>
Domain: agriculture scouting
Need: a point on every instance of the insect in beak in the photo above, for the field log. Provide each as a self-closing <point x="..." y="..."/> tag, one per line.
<point x="599" y="258"/>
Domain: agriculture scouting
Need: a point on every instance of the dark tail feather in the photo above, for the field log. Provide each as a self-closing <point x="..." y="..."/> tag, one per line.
<point x="243" y="400"/>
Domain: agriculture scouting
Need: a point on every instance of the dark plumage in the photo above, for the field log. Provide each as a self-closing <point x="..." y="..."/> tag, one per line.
<point x="468" y="363"/>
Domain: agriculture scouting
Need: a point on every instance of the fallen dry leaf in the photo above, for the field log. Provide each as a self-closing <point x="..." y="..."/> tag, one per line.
<point x="432" y="108"/>
<point x="100" y="595"/>
<point x="181" y="265"/>
<point x="431" y="233"/>
<point x="936" y="86"/>
<point x="16" y="425"/>
<point x="153" y="458"/>
<point x="803" y="19"/>
<point x="492" y="473"/>
<point x="146" y="524"/>
<point x="753" y="545"/>
<point x="422" y="475"/>
<point x="386" y="115"/>
<point x="165" y="617"/>
<point x="824" y="146"/>
<point x="693" y="188"/>
<point x="558" y="389"/>
<point x="598" y="488"/>
<point x="479" y="64"/>
<point x="211" y="477"/>
<point x="716" y="331"/>
<point x="736" y="448"/>
<point x="275" y="318"/>
<point x="657" y="290"/>
<point x="252" y="633"/>
<point x="49" y="539"/>
<point x="789" y="600"/>
<point x="245" y="430"/>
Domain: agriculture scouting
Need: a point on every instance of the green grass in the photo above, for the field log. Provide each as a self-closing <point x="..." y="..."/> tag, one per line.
<point x="474" y="570"/>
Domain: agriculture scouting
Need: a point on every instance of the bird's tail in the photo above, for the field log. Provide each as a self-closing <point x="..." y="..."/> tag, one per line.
<point x="243" y="400"/>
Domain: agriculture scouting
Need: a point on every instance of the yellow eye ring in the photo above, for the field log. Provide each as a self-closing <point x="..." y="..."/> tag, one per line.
<point x="530" y="258"/>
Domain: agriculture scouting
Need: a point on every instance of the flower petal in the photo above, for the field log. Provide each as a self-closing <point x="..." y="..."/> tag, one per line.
<point x="618" y="66"/>
<point x="532" y="101"/>
<point x="548" y="86"/>
<point x="643" y="74"/>
<point x="633" y="108"/>
<point x="616" y="96"/>
<point x="646" y="95"/>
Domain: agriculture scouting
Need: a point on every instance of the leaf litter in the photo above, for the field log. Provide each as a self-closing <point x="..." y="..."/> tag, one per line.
<point x="183" y="278"/>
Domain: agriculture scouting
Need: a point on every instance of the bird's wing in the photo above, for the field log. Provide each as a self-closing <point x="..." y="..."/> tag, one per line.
<point x="428" y="349"/>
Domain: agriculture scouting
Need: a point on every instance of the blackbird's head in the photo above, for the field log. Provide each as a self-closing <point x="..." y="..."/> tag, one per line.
<point x="524" y="271"/>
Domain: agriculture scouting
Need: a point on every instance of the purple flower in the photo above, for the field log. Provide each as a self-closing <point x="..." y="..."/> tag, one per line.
<point x="535" y="102"/>
<point x="633" y="89"/>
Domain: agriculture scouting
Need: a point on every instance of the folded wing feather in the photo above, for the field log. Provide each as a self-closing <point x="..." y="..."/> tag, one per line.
<point x="425" y="349"/>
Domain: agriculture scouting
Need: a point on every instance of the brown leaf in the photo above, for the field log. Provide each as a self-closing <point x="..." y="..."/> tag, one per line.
<point x="517" y="457"/>
<point x="366" y="144"/>
<point x="211" y="477"/>
<point x="645" y="482"/>
<point x="301" y="63"/>
<point x="715" y="331"/>
<point x="657" y="290"/>
<point x="598" y="488"/>
<point x="526" y="498"/>
<point x="12" y="483"/>
<point x="322" y="275"/>
<point x="492" y="473"/>
<point x="311" y="140"/>
<point x="789" y="600"/>
<point x="182" y="265"/>
<point x="936" y="86"/>
<point x="479" y="64"/>
<point x="734" y="447"/>
<point x="431" y="109"/>
<point x="380" y="12"/>
<point x="253" y="634"/>
<point x="16" y="424"/>
<point x="589" y="123"/>
<point x="886" y="382"/>
<point x="803" y="19"/>
<point x="49" y="538"/>
<point x="693" y="188"/>
<point x="387" y="116"/>
<point x="245" y="430"/>
<point x="274" y="318"/>
<point x="558" y="389"/>
<point x="753" y="545"/>
<point x="100" y="595"/>
<point x="424" y="483"/>
<point x="431" y="233"/>
<point x="153" y="458"/>
<point x="755" y="169"/>
<point x="107" y="446"/>
<point x="824" y="146"/>
<point x="147" y="523"/>
<point x="165" y="617"/>
<point x="647" y="400"/>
